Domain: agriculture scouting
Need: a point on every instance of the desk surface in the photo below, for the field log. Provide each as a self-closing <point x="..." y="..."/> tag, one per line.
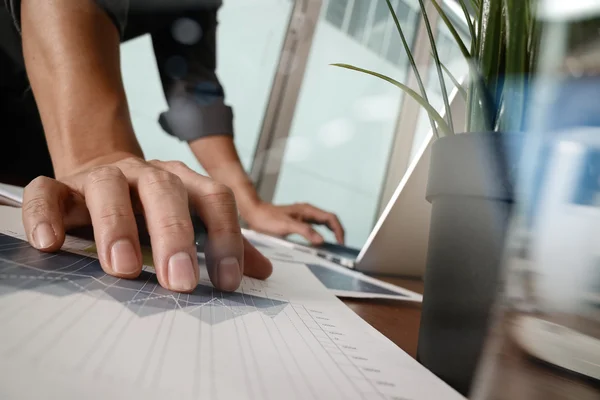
<point x="398" y="321"/>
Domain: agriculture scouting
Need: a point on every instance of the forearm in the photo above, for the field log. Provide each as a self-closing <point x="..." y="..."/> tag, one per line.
<point x="71" y="51"/>
<point x="218" y="156"/>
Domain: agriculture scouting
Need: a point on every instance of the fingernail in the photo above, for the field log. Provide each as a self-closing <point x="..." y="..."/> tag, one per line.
<point x="43" y="236"/>
<point x="123" y="258"/>
<point x="229" y="273"/>
<point x="182" y="276"/>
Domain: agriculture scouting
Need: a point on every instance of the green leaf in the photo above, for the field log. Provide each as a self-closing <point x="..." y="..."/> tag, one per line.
<point x="463" y="5"/>
<point x="490" y="53"/>
<point x="512" y="104"/>
<point x="461" y="89"/>
<point x="438" y="65"/>
<point x="480" y="105"/>
<point x="451" y="28"/>
<point x="411" y="60"/>
<point x="430" y="110"/>
<point x="479" y="30"/>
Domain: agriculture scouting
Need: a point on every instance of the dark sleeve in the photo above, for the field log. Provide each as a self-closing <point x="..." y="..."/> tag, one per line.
<point x="186" y="55"/>
<point x="116" y="10"/>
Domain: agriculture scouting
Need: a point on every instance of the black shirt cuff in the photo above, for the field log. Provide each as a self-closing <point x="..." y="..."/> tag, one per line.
<point x="188" y="120"/>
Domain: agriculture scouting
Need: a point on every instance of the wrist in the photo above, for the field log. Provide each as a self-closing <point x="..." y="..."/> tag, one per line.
<point x="73" y="149"/>
<point x="109" y="157"/>
<point x="246" y="197"/>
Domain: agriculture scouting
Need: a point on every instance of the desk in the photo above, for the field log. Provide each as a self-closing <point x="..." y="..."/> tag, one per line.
<point x="398" y="321"/>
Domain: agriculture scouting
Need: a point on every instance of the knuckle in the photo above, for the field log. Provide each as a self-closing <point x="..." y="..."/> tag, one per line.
<point x="220" y="201"/>
<point x="297" y="227"/>
<point x="132" y="162"/>
<point x="175" y="224"/>
<point x="218" y="189"/>
<point x="40" y="183"/>
<point x="105" y="173"/>
<point x="37" y="206"/>
<point x="155" y="177"/>
<point x="176" y="165"/>
<point x="155" y="163"/>
<point x="225" y="228"/>
<point x="114" y="213"/>
<point x="219" y="195"/>
<point x="308" y="231"/>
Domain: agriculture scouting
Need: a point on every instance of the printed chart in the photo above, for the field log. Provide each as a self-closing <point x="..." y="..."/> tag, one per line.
<point x="69" y="331"/>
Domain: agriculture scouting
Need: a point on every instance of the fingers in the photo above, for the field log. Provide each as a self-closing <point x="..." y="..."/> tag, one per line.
<point x="107" y="197"/>
<point x="305" y="230"/>
<point x="43" y="213"/>
<point x="165" y="202"/>
<point x="311" y="213"/>
<point x="103" y="196"/>
<point x="255" y="264"/>
<point x="215" y="204"/>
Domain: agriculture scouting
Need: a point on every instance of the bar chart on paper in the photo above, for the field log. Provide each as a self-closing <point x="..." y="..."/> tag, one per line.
<point x="76" y="332"/>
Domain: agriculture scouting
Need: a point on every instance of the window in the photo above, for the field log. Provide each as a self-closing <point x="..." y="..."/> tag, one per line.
<point x="359" y="19"/>
<point x="336" y="12"/>
<point x="381" y="24"/>
<point x="342" y="116"/>
<point x="407" y="19"/>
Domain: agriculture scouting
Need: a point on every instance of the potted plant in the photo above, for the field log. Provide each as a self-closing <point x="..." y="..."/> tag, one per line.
<point x="470" y="184"/>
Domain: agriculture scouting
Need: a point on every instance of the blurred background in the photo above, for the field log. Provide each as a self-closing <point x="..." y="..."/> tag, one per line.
<point x="305" y="130"/>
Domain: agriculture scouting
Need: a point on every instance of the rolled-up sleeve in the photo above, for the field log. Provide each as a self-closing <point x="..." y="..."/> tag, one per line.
<point x="116" y="10"/>
<point x="194" y="93"/>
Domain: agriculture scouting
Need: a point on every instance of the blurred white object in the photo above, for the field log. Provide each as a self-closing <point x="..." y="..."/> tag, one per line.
<point x="562" y="10"/>
<point x="565" y="251"/>
<point x="559" y="345"/>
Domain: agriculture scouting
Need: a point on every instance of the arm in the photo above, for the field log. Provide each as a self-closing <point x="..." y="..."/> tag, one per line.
<point x="71" y="52"/>
<point x="218" y="156"/>
<point x="198" y="114"/>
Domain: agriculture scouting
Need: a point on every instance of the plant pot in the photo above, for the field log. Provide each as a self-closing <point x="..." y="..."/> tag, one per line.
<point x="471" y="196"/>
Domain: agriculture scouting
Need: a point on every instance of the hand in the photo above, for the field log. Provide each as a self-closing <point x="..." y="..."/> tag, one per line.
<point x="296" y="218"/>
<point x="107" y="193"/>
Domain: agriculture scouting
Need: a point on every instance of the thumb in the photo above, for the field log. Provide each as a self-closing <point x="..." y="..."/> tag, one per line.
<point x="42" y="213"/>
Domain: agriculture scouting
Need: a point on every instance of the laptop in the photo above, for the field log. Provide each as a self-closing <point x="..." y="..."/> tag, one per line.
<point x="397" y="245"/>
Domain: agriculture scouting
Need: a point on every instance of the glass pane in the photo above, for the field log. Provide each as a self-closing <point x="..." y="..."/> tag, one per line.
<point x="380" y="27"/>
<point x="358" y="19"/>
<point x="407" y="17"/>
<point x="341" y="135"/>
<point x="336" y="11"/>
<point x="250" y="36"/>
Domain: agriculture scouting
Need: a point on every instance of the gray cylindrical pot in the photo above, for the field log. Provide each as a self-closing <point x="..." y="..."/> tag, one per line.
<point x="471" y="199"/>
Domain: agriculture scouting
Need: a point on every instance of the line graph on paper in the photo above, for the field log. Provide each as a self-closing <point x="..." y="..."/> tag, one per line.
<point x="71" y="273"/>
<point x="60" y="313"/>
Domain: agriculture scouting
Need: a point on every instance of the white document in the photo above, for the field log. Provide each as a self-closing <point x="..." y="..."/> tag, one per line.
<point x="341" y="281"/>
<point x="68" y="331"/>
